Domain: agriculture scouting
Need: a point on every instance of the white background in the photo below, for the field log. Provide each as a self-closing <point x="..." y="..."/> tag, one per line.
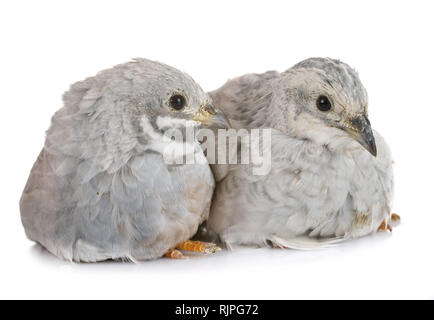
<point x="47" y="45"/>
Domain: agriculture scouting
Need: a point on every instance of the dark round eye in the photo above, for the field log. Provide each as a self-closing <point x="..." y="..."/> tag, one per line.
<point x="177" y="102"/>
<point x="323" y="103"/>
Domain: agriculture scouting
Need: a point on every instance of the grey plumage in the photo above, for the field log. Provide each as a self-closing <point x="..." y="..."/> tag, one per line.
<point x="100" y="188"/>
<point x="325" y="182"/>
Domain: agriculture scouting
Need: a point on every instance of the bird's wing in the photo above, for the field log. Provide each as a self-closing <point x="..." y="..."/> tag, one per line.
<point x="242" y="98"/>
<point x="145" y="205"/>
<point x="244" y="101"/>
<point x="42" y="200"/>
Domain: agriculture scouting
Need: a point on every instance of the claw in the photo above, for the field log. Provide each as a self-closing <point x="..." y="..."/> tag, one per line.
<point x="394" y="219"/>
<point x="275" y="245"/>
<point x="175" y="254"/>
<point x="382" y="227"/>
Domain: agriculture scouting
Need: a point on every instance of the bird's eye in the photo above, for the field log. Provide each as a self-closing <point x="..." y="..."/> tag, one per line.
<point x="323" y="103"/>
<point x="177" y="102"/>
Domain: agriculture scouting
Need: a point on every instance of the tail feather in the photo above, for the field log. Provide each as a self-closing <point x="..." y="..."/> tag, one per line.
<point x="306" y="243"/>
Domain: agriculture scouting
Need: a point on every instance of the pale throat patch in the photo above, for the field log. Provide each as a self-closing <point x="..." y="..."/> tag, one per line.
<point x="172" y="145"/>
<point x="169" y="122"/>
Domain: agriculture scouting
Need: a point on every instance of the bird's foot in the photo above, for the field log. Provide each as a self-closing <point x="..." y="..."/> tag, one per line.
<point x="385" y="226"/>
<point x="198" y="246"/>
<point x="175" y="254"/>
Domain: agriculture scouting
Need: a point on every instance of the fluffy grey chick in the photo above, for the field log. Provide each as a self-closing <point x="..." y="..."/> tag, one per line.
<point x="100" y="188"/>
<point x="331" y="175"/>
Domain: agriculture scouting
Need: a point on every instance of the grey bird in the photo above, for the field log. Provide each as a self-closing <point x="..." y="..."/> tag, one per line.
<point x="101" y="188"/>
<point x="331" y="175"/>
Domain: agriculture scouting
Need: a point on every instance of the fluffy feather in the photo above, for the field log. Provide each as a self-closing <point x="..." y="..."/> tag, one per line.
<point x="100" y="188"/>
<point x="323" y="186"/>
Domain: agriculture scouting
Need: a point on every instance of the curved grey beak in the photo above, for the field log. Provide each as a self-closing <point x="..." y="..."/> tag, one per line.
<point x="360" y="129"/>
<point x="368" y="140"/>
<point x="210" y="116"/>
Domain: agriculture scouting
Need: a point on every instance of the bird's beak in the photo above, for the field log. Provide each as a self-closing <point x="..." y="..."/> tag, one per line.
<point x="210" y="116"/>
<point x="360" y="129"/>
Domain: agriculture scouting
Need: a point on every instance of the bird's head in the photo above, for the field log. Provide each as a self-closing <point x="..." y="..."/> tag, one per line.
<point x="325" y="99"/>
<point x="124" y="109"/>
<point x="139" y="99"/>
<point x="169" y="99"/>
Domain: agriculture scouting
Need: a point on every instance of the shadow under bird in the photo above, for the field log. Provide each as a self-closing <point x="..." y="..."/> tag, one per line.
<point x="331" y="174"/>
<point x="100" y="188"/>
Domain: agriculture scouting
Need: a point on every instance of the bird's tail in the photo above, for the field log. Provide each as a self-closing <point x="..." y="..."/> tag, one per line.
<point x="305" y="243"/>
